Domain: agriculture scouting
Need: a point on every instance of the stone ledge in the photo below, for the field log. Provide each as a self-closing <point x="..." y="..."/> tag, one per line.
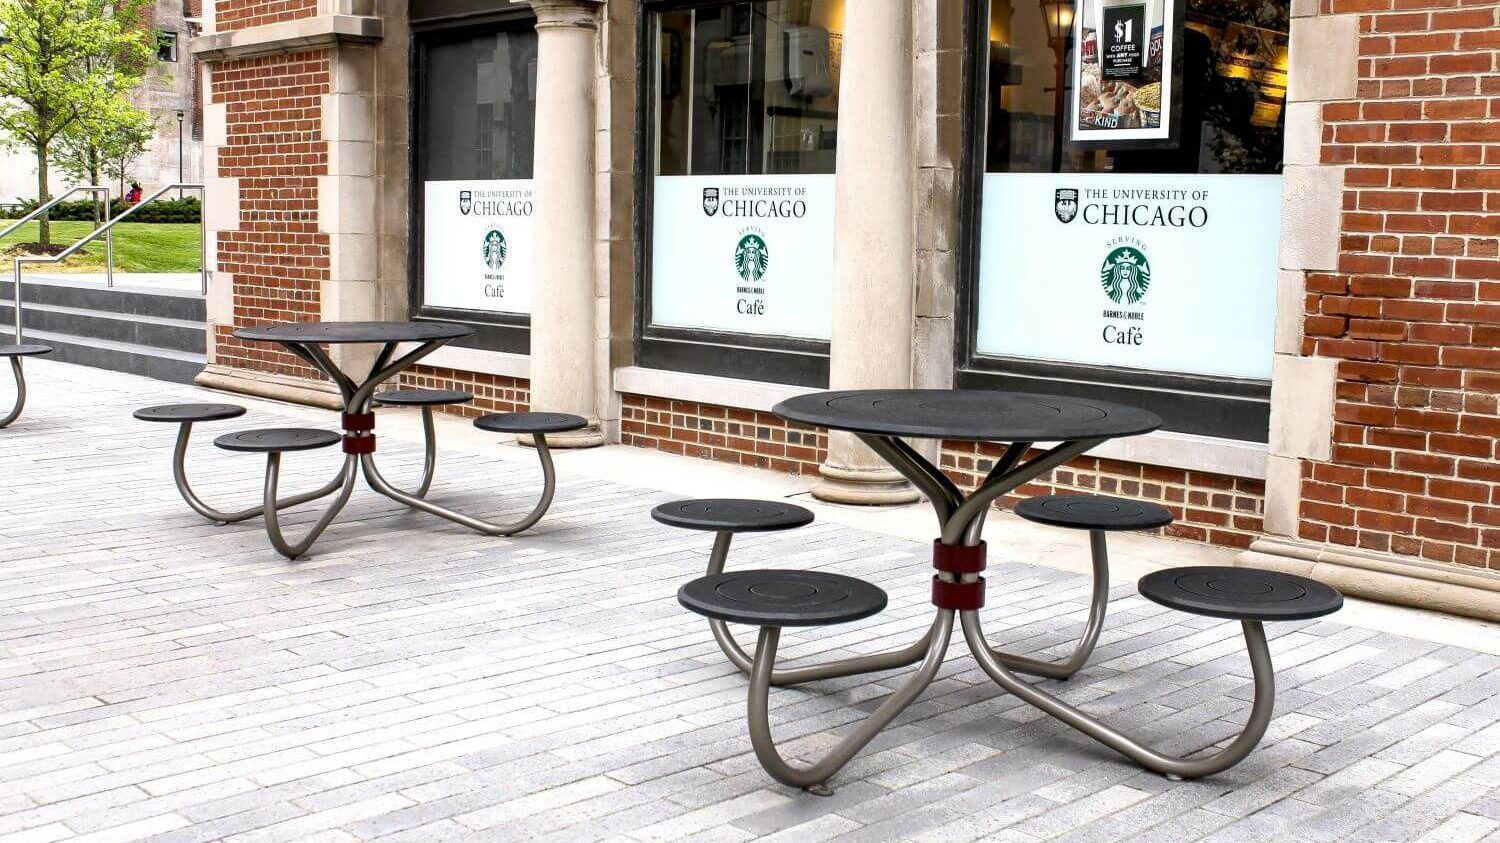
<point x="1385" y="577"/>
<point x="288" y="36"/>
<point x="267" y="385"/>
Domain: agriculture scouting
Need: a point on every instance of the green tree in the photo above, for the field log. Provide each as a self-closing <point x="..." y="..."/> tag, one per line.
<point x="62" y="62"/>
<point x="105" y="144"/>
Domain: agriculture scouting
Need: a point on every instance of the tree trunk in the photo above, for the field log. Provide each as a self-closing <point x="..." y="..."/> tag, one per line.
<point x="44" y="228"/>
<point x="94" y="171"/>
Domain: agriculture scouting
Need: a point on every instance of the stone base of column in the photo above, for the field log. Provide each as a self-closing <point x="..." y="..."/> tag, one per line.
<point x="863" y="486"/>
<point x="268" y="385"/>
<point x="589" y="437"/>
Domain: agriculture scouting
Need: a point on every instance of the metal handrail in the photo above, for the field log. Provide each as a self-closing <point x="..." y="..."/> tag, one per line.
<point x="109" y="246"/>
<point x="42" y="209"/>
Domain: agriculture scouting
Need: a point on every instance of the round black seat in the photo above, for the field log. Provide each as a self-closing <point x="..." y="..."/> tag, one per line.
<point x="422" y="397"/>
<point x="782" y="598"/>
<point x="1240" y="593"/>
<point x="274" y="440"/>
<point x="732" y="515"/>
<point x="530" y="422"/>
<point x="180" y="413"/>
<point x="29" y="349"/>
<point x="1093" y="512"/>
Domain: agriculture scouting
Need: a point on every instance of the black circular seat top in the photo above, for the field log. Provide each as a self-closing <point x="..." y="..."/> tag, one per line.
<point x="530" y="422"/>
<point x="189" y="412"/>
<point x="732" y="515"/>
<point x="268" y="440"/>
<point x="782" y="598"/>
<point x="28" y="349"/>
<point x="1093" y="512"/>
<point x="355" y="332"/>
<point x="422" y="397"/>
<point x="1240" y="593"/>
<point x="981" y="415"/>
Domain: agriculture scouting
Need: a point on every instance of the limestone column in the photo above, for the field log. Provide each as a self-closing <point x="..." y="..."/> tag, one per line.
<point x="873" y="224"/>
<point x="562" y="298"/>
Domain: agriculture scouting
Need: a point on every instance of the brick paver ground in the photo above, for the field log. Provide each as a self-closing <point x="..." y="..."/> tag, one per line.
<point x="162" y="678"/>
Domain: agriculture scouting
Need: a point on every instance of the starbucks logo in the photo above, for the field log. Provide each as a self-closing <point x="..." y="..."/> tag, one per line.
<point x="751" y="258"/>
<point x="1125" y="275"/>
<point x="494" y="249"/>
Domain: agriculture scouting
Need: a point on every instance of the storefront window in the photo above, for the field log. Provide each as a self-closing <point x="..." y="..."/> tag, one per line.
<point x="745" y="123"/>
<point x="476" y="110"/>
<point x="1130" y="204"/>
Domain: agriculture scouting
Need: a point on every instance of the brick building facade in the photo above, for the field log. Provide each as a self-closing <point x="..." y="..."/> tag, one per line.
<point x="1376" y="470"/>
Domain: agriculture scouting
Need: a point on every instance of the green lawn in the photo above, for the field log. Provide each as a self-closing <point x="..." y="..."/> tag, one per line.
<point x="139" y="246"/>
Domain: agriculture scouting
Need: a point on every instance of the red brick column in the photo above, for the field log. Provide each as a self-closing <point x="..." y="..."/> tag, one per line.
<point x="1413" y="313"/>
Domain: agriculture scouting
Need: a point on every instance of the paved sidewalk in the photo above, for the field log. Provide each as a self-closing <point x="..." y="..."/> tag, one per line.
<point x="162" y="678"/>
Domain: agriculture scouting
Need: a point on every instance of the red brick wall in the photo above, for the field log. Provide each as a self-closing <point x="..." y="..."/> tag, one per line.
<point x="492" y="393"/>
<point x="275" y="148"/>
<point x="243" y="14"/>
<point x="1413" y="312"/>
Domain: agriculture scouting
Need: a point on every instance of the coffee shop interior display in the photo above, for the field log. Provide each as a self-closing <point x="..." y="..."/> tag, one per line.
<point x="1126" y="73"/>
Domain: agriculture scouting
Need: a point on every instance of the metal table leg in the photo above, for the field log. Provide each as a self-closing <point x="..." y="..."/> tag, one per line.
<point x="15" y="412"/>
<point x="273" y="523"/>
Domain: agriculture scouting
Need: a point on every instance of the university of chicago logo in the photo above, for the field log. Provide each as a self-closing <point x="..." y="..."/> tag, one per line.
<point x="751" y="260"/>
<point x="710" y="200"/>
<point x="494" y="249"/>
<point x="1125" y="275"/>
<point x="465" y="201"/>
<point x="1065" y="204"/>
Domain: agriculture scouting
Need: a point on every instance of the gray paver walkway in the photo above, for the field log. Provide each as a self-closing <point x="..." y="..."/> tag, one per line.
<point x="165" y="679"/>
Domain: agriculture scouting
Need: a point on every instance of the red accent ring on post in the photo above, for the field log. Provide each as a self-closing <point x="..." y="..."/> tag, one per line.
<point x="957" y="558"/>
<point x="359" y="422"/>
<point x="959" y="596"/>
<point x="359" y="444"/>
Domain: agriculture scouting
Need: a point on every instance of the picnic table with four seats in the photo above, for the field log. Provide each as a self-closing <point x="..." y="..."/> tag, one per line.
<point x="1042" y="432"/>
<point x="359" y="397"/>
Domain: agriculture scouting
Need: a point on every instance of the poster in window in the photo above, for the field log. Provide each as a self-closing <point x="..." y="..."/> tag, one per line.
<point x="476" y="245"/>
<point x="1124" y="81"/>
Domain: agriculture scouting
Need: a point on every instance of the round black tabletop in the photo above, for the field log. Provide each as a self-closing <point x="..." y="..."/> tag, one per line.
<point x="355" y="332"/>
<point x="980" y="415"/>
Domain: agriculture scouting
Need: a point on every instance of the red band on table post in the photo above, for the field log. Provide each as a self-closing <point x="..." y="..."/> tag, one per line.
<point x="359" y="444"/>
<point x="359" y="422"/>
<point x="957" y="558"/>
<point x="959" y="596"/>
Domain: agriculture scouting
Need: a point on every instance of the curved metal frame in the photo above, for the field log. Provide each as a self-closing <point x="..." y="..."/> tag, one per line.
<point x="962" y="522"/>
<point x="179" y="476"/>
<point x="15" y="412"/>
<point x="938" y="636"/>
<point x="269" y="505"/>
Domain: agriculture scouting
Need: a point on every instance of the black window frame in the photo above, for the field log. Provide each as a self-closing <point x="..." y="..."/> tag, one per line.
<point x="1229" y="408"/>
<point x="770" y="359"/>
<point x="446" y="21"/>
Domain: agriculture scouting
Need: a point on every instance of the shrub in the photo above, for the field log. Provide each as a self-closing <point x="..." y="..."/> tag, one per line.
<point x="186" y="209"/>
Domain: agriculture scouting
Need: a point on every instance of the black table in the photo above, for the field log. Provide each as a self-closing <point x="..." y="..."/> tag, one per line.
<point x="879" y="418"/>
<point x="306" y="340"/>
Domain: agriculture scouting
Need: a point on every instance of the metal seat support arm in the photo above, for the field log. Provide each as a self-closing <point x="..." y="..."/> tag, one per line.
<point x="293" y="550"/>
<point x="179" y="476"/>
<point x="820" y="771"/>
<point x="1187" y="768"/>
<point x="15" y="411"/>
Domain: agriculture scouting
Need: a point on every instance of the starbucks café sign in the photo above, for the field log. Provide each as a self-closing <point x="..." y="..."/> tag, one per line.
<point x="1171" y="273"/>
<point x="743" y="254"/>
<point x="476" y="240"/>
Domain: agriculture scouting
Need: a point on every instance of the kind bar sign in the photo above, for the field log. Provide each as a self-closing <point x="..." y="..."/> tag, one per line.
<point x="1122" y="78"/>
<point x="476" y="245"/>
<point x="743" y="254"/>
<point x="1165" y="273"/>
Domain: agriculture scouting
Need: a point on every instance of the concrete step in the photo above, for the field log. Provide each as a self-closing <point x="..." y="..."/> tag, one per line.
<point x="160" y="363"/>
<point x="154" y="331"/>
<point x="61" y="292"/>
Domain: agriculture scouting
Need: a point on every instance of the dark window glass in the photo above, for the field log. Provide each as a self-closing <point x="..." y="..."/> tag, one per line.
<point x="478" y="103"/>
<point x="1232" y="92"/>
<point x="749" y="88"/>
